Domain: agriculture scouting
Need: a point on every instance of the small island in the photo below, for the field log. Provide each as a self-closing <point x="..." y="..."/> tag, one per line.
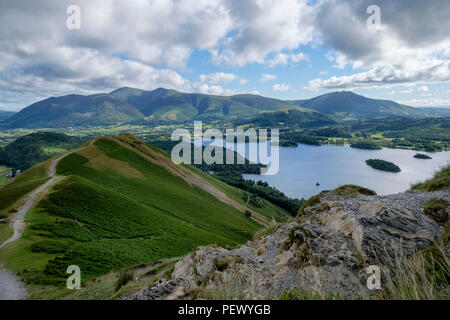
<point x="422" y="156"/>
<point x="369" y="145"/>
<point x="383" y="165"/>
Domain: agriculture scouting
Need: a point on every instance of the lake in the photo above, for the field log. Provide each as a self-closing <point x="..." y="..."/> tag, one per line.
<point x="330" y="165"/>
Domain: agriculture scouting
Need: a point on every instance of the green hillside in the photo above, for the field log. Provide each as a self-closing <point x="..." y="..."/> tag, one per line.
<point x="292" y="118"/>
<point x="34" y="148"/>
<point x="117" y="203"/>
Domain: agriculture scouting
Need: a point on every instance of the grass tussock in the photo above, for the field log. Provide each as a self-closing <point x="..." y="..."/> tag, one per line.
<point x="424" y="276"/>
<point x="351" y="190"/>
<point x="437" y="209"/>
<point x="273" y="227"/>
<point x="310" y="202"/>
<point x="303" y="294"/>
<point x="440" y="181"/>
<point x="124" y="277"/>
<point x="236" y="286"/>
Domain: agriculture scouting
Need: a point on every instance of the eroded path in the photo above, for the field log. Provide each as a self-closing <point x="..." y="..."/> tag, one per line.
<point x="10" y="287"/>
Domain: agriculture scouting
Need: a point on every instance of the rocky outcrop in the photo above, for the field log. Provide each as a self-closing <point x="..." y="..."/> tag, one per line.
<point x="327" y="249"/>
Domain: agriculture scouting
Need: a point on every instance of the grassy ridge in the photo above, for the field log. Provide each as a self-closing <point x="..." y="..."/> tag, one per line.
<point x="115" y="208"/>
<point x="105" y="231"/>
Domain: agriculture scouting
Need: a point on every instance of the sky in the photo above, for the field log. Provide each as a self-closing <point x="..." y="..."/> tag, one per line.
<point x="286" y="49"/>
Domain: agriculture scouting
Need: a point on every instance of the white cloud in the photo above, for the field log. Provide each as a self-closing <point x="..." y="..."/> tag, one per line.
<point x="432" y="102"/>
<point x="281" y="87"/>
<point x="409" y="72"/>
<point x="99" y="74"/>
<point x="284" y="59"/>
<point x="412" y="48"/>
<point x="337" y="57"/>
<point x="119" y="44"/>
<point x="423" y="89"/>
<point x="149" y="43"/>
<point x="265" y="27"/>
<point x="217" y="78"/>
<point x="212" y="89"/>
<point x="243" y="81"/>
<point x="298" y="57"/>
<point x="267" y="77"/>
<point x="158" y="35"/>
<point x="407" y="91"/>
<point x="279" y="59"/>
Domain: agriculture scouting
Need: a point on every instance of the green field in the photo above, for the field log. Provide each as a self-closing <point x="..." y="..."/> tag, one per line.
<point x="118" y="206"/>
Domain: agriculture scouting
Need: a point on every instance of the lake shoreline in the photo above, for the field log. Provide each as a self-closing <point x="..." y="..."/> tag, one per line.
<point x="332" y="165"/>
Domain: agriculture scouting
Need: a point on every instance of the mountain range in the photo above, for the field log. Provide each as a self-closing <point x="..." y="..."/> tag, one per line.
<point x="130" y="104"/>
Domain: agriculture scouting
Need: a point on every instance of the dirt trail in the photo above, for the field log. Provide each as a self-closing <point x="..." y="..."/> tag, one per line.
<point x="10" y="287"/>
<point x="17" y="220"/>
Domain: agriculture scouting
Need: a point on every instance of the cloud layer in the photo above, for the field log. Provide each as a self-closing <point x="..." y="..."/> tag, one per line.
<point x="148" y="43"/>
<point x="412" y="45"/>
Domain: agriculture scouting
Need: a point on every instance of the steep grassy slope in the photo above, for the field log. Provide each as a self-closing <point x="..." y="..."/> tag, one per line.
<point x="33" y="148"/>
<point x="118" y="203"/>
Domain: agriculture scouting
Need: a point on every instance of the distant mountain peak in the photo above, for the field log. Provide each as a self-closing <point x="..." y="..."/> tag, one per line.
<point x="349" y="105"/>
<point x="125" y="92"/>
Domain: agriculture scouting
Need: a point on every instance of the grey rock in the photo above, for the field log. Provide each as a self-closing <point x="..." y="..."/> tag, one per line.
<point x="327" y="250"/>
